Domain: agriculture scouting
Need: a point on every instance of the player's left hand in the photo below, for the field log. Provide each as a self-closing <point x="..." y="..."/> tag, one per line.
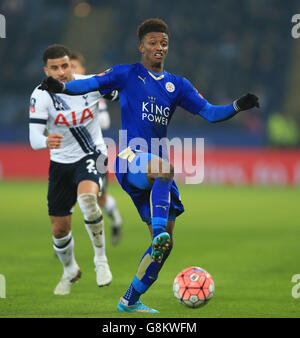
<point x="112" y="96"/>
<point x="52" y="85"/>
<point x="246" y="102"/>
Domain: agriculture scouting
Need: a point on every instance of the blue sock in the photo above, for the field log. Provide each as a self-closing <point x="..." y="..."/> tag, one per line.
<point x="146" y="275"/>
<point x="131" y="295"/>
<point x="160" y="204"/>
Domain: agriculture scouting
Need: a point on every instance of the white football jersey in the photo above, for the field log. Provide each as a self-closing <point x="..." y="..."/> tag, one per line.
<point x="75" y="117"/>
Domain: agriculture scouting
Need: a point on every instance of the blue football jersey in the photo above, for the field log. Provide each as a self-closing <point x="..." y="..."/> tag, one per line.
<point x="148" y="101"/>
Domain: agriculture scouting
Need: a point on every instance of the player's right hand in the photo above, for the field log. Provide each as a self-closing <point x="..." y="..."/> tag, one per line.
<point x="54" y="141"/>
<point x="52" y="85"/>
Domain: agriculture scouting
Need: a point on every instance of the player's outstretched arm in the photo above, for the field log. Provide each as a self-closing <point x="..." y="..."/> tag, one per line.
<point x="112" y="79"/>
<point x="76" y="87"/>
<point x="222" y="113"/>
<point x="195" y="103"/>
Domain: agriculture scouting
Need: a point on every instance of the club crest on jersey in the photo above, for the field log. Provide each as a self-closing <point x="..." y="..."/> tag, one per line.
<point x="170" y="87"/>
<point x="85" y="98"/>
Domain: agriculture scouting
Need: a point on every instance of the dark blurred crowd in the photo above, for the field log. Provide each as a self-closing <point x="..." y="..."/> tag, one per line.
<point x="225" y="48"/>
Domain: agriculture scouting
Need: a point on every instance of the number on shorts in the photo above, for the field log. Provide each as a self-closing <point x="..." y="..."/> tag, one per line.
<point x="91" y="166"/>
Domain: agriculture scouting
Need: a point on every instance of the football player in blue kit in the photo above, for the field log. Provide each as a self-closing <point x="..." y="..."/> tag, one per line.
<point x="148" y="97"/>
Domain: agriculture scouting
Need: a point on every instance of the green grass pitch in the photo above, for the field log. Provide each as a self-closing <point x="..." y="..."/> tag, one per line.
<point x="247" y="238"/>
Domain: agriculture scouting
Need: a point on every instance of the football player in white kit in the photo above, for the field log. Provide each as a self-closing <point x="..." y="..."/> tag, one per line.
<point x="106" y="201"/>
<point x="75" y="142"/>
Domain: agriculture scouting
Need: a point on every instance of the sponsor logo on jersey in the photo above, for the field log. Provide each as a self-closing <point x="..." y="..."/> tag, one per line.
<point x="154" y="112"/>
<point x="61" y="119"/>
<point x="170" y="87"/>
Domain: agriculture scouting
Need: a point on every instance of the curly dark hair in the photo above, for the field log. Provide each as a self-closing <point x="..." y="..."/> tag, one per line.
<point x="152" y="25"/>
<point x="55" y="51"/>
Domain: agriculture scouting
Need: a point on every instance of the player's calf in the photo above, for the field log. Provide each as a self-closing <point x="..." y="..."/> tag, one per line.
<point x="95" y="227"/>
<point x="93" y="218"/>
<point x="157" y="167"/>
<point x="160" y="173"/>
<point x="146" y="275"/>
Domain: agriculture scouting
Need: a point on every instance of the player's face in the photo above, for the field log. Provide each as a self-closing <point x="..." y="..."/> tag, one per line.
<point x="77" y="67"/>
<point x="59" y="68"/>
<point x="154" y="47"/>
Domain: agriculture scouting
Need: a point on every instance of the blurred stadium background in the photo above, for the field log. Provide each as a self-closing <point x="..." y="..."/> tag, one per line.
<point x="246" y="235"/>
<point x="225" y="48"/>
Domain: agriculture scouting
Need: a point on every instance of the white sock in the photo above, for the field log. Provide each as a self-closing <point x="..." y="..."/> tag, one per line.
<point x="97" y="236"/>
<point x="64" y="248"/>
<point x="94" y="223"/>
<point x="112" y="211"/>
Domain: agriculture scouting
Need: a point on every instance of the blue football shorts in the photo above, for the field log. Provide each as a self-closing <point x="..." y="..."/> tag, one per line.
<point x="136" y="184"/>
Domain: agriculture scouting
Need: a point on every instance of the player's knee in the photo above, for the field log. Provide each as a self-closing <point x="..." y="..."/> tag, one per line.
<point x="170" y="174"/>
<point x="89" y="206"/>
<point x="160" y="168"/>
<point x="59" y="232"/>
<point x="61" y="226"/>
<point x="167" y="171"/>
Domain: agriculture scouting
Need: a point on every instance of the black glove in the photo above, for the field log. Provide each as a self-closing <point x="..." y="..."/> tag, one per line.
<point x="52" y="85"/>
<point x="246" y="102"/>
<point x="112" y="96"/>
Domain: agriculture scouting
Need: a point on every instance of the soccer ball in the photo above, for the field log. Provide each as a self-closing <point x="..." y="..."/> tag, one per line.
<point x="193" y="287"/>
